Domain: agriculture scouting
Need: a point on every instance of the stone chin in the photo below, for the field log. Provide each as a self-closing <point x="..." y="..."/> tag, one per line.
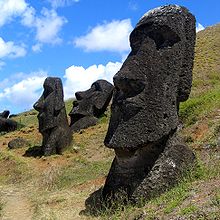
<point x="131" y="136"/>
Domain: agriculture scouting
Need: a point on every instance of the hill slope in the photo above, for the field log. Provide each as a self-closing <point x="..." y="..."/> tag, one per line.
<point x="56" y="187"/>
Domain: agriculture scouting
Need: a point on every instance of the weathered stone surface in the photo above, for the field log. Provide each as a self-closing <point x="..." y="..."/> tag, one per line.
<point x="90" y="105"/>
<point x="154" y="79"/>
<point x="7" y="125"/>
<point x="83" y="123"/>
<point x="5" y="114"/>
<point x="18" y="143"/>
<point x="148" y="171"/>
<point x="52" y="118"/>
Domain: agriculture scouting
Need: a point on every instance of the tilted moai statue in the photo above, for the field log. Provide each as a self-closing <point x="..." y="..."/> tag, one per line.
<point x="7" y="125"/>
<point x="90" y="105"/>
<point x="154" y="79"/>
<point x="53" y="123"/>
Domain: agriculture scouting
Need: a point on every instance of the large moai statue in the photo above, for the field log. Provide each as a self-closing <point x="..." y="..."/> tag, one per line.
<point x="90" y="105"/>
<point x="53" y="123"/>
<point x="154" y="79"/>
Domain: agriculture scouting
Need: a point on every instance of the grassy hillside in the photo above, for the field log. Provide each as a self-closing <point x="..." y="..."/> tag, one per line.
<point x="56" y="187"/>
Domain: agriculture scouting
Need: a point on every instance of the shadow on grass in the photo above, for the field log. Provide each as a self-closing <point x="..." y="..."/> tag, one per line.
<point x="94" y="204"/>
<point x="35" y="151"/>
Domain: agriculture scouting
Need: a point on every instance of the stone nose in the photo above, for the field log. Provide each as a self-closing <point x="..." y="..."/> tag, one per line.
<point x="38" y="106"/>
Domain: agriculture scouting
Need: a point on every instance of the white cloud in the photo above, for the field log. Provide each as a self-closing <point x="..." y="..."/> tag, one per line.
<point x="9" y="49"/>
<point x="37" y="47"/>
<point x="25" y="92"/>
<point x="10" y="9"/>
<point x="199" y="27"/>
<point x="28" y="17"/>
<point x="48" y="26"/>
<point x="20" y="91"/>
<point x="113" y="36"/>
<point x="77" y="78"/>
<point x="61" y="3"/>
<point x="1" y="64"/>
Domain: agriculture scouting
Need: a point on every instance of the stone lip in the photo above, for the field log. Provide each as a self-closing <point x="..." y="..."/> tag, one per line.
<point x="147" y="173"/>
<point x="83" y="123"/>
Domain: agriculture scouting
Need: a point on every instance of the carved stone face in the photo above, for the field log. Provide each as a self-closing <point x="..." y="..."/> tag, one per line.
<point x="154" y="78"/>
<point x="92" y="102"/>
<point x="50" y="103"/>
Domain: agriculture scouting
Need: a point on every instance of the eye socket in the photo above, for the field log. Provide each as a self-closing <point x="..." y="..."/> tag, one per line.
<point x="47" y="90"/>
<point x="162" y="35"/>
<point x="96" y="86"/>
<point x="136" y="39"/>
<point x="129" y="87"/>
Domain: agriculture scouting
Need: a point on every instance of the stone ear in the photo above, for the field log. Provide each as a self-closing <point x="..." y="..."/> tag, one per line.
<point x="185" y="79"/>
<point x="59" y="103"/>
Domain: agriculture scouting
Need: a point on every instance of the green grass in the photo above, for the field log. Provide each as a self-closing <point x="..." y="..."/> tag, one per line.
<point x="188" y="210"/>
<point x="200" y="106"/>
<point x="216" y="199"/>
<point x="69" y="105"/>
<point x="27" y="118"/>
<point x="81" y="171"/>
<point x="15" y="169"/>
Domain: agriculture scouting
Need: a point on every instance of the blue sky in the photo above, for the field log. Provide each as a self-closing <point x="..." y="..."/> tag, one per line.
<point x="79" y="41"/>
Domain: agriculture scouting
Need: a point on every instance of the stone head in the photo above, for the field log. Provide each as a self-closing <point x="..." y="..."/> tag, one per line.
<point x="154" y="78"/>
<point x="50" y="103"/>
<point x="93" y="101"/>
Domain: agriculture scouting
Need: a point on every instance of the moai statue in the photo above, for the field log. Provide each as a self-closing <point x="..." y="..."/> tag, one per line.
<point x="154" y="79"/>
<point x="90" y="105"/>
<point x="7" y="125"/>
<point x="53" y="123"/>
<point x="5" y="114"/>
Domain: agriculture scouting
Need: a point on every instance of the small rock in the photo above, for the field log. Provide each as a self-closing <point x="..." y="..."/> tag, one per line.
<point x="76" y="149"/>
<point x="18" y="143"/>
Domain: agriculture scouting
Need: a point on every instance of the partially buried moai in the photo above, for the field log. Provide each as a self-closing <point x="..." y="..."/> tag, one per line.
<point x="53" y="123"/>
<point x="154" y="79"/>
<point x="90" y="105"/>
